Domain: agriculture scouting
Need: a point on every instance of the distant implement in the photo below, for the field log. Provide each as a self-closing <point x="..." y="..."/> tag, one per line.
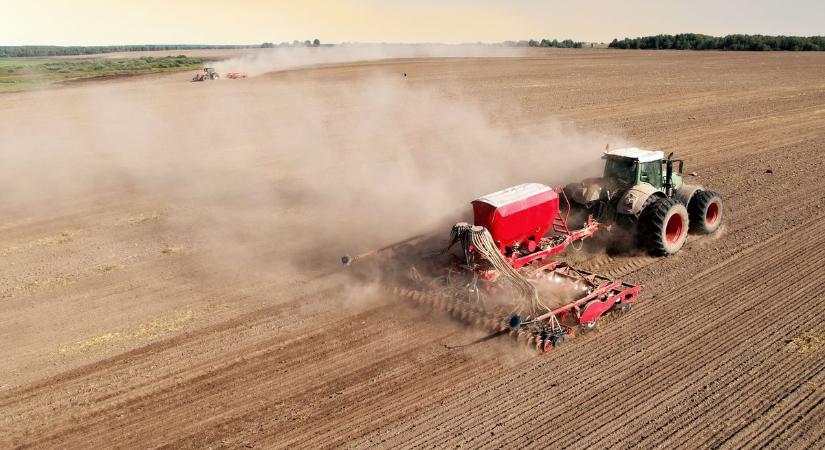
<point x="209" y="73"/>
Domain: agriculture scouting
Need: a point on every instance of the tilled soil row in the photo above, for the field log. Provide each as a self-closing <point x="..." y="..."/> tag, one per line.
<point x="703" y="360"/>
<point x="689" y="321"/>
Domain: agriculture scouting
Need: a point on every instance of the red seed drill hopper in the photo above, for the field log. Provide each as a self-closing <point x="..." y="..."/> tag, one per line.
<point x="500" y="272"/>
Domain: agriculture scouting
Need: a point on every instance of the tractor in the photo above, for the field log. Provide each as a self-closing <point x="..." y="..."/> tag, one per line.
<point x="642" y="193"/>
<point x="207" y="73"/>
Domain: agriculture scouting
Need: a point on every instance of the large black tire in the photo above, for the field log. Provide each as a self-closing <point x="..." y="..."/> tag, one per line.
<point x="663" y="226"/>
<point x="705" y="212"/>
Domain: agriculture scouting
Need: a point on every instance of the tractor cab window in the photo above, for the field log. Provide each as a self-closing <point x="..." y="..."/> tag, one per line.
<point x="620" y="171"/>
<point x="651" y="173"/>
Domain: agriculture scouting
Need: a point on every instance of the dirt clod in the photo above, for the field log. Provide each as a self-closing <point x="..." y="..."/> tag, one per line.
<point x="806" y="343"/>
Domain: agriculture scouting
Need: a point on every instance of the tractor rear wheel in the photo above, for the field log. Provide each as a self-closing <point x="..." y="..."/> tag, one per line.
<point x="664" y="226"/>
<point x="705" y="210"/>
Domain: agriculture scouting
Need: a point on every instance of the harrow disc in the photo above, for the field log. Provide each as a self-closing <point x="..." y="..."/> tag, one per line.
<point x="588" y="326"/>
<point x="515" y="322"/>
<point x="623" y="308"/>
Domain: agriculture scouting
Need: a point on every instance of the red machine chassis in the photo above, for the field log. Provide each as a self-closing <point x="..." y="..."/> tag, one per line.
<point x="541" y="329"/>
<point x="604" y="296"/>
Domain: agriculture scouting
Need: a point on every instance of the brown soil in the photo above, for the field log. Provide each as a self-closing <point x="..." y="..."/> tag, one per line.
<point x="123" y="324"/>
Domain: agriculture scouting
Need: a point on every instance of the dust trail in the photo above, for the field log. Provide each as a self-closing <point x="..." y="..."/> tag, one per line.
<point x="276" y="59"/>
<point x="282" y="174"/>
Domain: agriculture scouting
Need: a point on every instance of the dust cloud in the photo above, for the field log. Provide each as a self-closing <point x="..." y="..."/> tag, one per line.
<point x="280" y="173"/>
<point x="286" y="58"/>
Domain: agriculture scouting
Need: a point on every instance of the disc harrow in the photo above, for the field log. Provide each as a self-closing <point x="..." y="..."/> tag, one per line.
<point x="600" y="296"/>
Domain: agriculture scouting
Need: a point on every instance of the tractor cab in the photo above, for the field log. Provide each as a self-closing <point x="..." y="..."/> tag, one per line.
<point x="629" y="167"/>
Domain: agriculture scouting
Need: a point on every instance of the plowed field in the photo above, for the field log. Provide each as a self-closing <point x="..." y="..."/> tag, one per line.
<point x="152" y="295"/>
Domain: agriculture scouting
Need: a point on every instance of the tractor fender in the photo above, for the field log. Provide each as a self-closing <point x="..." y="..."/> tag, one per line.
<point x="635" y="199"/>
<point x="589" y="190"/>
<point x="685" y="193"/>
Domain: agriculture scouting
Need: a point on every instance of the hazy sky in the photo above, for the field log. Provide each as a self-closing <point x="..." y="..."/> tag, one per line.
<point x="94" y="22"/>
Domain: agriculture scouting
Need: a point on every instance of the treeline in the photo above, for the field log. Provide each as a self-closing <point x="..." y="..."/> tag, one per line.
<point x="129" y="65"/>
<point x="54" y="50"/>
<point x="567" y="43"/>
<point x="296" y="43"/>
<point x="24" y="74"/>
<point x="692" y="41"/>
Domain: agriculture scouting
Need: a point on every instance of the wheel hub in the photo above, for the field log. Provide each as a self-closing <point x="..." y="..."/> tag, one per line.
<point x="674" y="228"/>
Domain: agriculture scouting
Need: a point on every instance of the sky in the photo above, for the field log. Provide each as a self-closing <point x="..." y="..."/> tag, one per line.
<point x="102" y="22"/>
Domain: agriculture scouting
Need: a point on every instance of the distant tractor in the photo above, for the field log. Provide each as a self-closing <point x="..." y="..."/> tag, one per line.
<point x="640" y="192"/>
<point x="207" y="73"/>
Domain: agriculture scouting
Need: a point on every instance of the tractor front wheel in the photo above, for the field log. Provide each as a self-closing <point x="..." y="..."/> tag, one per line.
<point x="705" y="210"/>
<point x="664" y="226"/>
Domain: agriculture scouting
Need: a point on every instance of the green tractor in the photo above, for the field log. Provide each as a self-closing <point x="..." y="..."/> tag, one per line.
<point x="641" y="192"/>
<point x="207" y="73"/>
